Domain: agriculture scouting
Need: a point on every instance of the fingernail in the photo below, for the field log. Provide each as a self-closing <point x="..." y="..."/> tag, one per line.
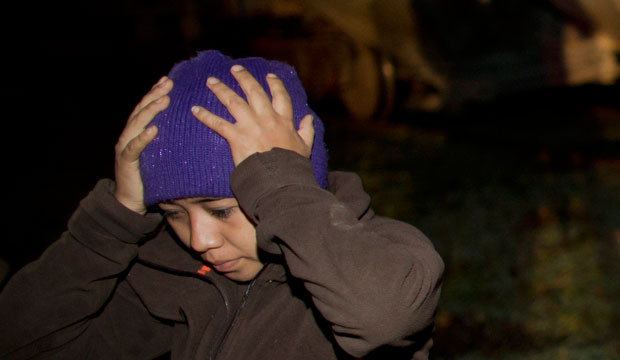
<point x="195" y="109"/>
<point x="159" y="100"/>
<point x="161" y="84"/>
<point x="161" y="80"/>
<point x="236" y="68"/>
<point x="272" y="76"/>
<point x="212" y="81"/>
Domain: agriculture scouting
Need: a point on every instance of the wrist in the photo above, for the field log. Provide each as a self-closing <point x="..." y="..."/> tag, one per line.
<point x="133" y="205"/>
<point x="263" y="173"/>
<point x="106" y="214"/>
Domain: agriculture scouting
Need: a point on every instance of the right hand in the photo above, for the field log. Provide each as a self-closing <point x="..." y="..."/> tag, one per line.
<point x="134" y="138"/>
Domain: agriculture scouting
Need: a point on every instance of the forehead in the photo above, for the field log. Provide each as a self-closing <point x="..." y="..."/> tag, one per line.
<point x="200" y="200"/>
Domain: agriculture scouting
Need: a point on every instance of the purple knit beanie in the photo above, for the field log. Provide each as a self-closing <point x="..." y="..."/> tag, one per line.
<point x="187" y="159"/>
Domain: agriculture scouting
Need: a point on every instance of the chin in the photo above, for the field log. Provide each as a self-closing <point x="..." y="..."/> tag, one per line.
<point x="244" y="276"/>
<point x="239" y="277"/>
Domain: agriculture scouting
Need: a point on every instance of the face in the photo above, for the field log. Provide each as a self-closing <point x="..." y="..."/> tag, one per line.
<point x="219" y="232"/>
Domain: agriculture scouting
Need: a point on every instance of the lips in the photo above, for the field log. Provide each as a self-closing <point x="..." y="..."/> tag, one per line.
<point x="225" y="266"/>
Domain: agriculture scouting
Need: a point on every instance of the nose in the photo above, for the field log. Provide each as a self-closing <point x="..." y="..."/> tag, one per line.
<point x="204" y="233"/>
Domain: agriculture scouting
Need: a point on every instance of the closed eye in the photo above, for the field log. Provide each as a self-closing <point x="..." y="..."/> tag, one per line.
<point x="222" y="213"/>
<point x="172" y="214"/>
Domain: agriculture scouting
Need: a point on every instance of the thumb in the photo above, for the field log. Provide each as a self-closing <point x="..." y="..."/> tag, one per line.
<point x="306" y="131"/>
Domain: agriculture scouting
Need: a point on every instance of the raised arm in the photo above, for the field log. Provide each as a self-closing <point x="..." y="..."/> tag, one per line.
<point x="375" y="280"/>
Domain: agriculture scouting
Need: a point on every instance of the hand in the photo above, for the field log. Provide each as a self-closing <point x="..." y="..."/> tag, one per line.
<point x="261" y="125"/>
<point x="133" y="140"/>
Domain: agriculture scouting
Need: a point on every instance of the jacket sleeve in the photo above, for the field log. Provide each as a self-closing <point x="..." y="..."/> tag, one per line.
<point x="376" y="280"/>
<point x="61" y="305"/>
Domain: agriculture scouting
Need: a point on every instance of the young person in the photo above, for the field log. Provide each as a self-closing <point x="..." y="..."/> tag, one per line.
<point x="262" y="253"/>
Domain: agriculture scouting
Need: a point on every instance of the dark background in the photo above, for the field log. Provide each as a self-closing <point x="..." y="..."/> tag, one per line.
<point x="515" y="175"/>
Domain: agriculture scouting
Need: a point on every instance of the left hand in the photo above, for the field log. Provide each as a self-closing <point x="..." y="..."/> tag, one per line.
<point x="261" y="125"/>
<point x="134" y="138"/>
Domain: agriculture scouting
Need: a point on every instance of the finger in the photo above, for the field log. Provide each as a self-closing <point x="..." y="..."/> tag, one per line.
<point x="280" y="98"/>
<point x="147" y="113"/>
<point x="254" y="92"/>
<point x="306" y="131"/>
<point x="161" y="80"/>
<point x="134" y="148"/>
<point x="163" y="87"/>
<point x="214" y="122"/>
<point x="236" y="106"/>
<point x="156" y="92"/>
<point x="140" y="120"/>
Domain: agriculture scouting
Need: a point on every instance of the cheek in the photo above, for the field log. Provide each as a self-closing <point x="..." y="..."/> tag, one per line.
<point x="245" y="234"/>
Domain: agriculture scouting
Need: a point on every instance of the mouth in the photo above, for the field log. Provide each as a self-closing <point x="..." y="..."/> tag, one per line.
<point x="225" y="266"/>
